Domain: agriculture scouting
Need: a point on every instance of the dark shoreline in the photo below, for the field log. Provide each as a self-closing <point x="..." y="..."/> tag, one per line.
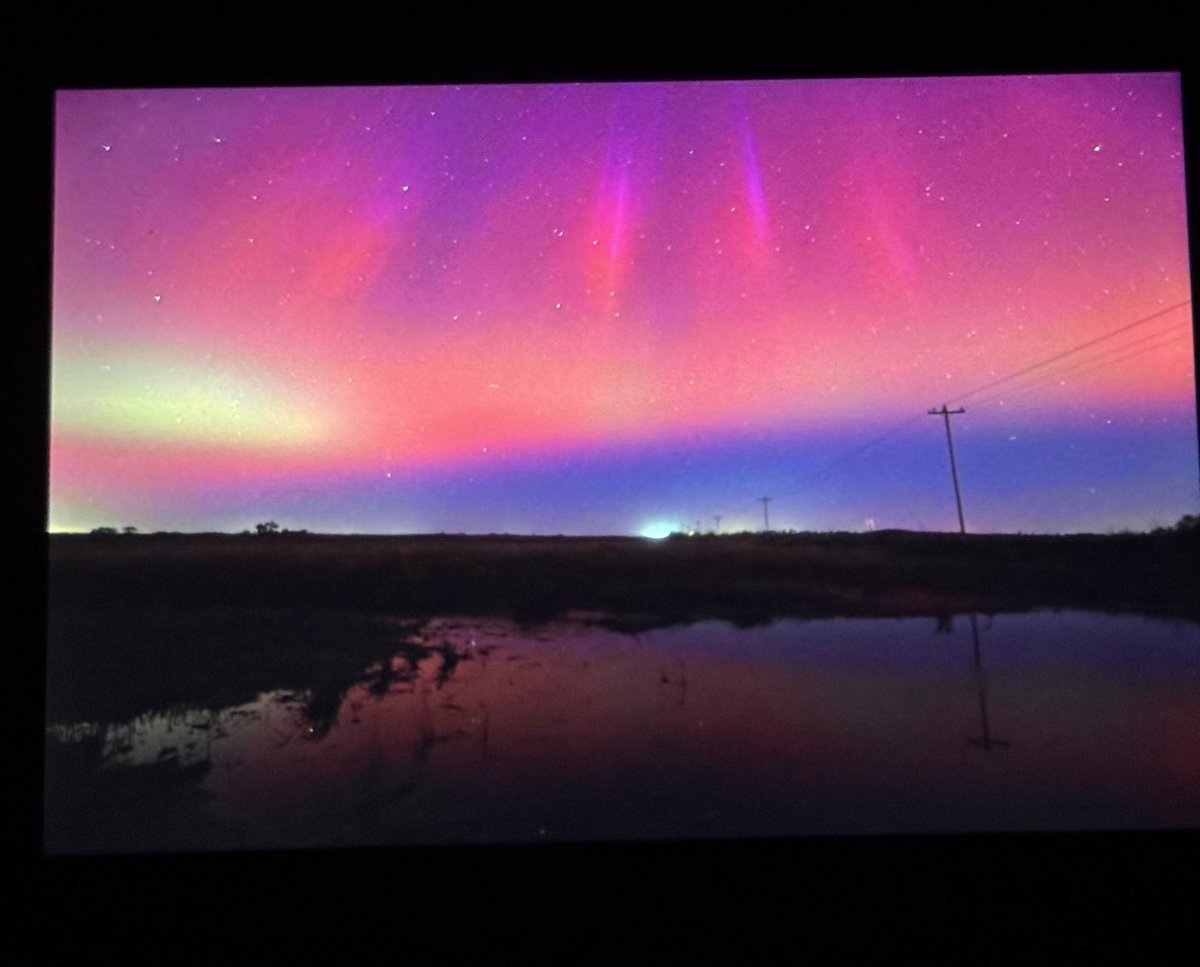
<point x="752" y="577"/>
<point x="163" y="621"/>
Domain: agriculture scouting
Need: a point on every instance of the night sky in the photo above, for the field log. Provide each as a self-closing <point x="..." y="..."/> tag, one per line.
<point x="623" y="308"/>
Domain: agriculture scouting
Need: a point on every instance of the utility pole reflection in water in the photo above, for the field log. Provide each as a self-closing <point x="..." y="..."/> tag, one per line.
<point x="985" y="741"/>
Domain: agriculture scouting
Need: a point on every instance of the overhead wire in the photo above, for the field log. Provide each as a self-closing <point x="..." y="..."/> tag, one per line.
<point x="1068" y="352"/>
<point x="1039" y="381"/>
<point x="1085" y="366"/>
<point x="829" y="468"/>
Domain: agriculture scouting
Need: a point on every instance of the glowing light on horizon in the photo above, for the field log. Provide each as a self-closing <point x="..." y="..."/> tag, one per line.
<point x="658" y="530"/>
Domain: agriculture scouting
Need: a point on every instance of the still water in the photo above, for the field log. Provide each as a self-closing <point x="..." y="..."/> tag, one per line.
<point x="1038" y="721"/>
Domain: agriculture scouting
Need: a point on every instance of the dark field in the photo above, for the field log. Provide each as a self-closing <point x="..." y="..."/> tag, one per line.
<point x="150" y="634"/>
<point x="159" y="621"/>
<point x="739" y="577"/>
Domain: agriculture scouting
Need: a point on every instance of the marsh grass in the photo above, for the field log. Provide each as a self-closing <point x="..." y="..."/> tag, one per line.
<point x="533" y="579"/>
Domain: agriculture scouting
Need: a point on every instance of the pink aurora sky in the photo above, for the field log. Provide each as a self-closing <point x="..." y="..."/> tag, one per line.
<point x="613" y="307"/>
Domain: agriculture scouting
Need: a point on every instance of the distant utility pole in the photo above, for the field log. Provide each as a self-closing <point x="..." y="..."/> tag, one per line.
<point x="718" y="520"/>
<point x="766" y="520"/>
<point x="946" y="414"/>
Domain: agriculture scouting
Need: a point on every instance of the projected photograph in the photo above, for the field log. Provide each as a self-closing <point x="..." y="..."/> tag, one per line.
<point x="620" y="462"/>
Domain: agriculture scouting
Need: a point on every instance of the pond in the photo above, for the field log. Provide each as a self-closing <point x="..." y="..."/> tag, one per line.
<point x="494" y="733"/>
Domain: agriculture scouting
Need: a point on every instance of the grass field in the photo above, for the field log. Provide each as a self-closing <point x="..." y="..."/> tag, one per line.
<point x="734" y="576"/>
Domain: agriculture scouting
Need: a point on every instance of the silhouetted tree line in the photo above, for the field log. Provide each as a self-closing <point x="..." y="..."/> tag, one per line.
<point x="1187" y="524"/>
<point x="265" y="528"/>
<point x="269" y="527"/>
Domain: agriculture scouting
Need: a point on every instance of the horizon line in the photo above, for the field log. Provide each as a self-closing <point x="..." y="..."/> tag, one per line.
<point x="1186" y="522"/>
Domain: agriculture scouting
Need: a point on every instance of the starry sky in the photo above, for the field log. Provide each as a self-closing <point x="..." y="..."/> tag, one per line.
<point x="623" y="308"/>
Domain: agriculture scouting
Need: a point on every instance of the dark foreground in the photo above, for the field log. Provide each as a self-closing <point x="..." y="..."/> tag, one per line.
<point x="218" y="692"/>
<point x="476" y="731"/>
<point x="139" y="622"/>
<point x="738" y="577"/>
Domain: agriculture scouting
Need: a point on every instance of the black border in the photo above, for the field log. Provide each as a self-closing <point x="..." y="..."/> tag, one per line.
<point x="966" y="895"/>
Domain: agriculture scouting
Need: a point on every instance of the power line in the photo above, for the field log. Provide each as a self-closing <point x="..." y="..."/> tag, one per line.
<point x="1069" y="352"/>
<point x="905" y="425"/>
<point x="1085" y="366"/>
<point x="1104" y="358"/>
<point x="858" y="451"/>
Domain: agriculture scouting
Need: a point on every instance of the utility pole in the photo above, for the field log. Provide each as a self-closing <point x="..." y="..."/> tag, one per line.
<point x="766" y="520"/>
<point x="946" y="414"/>
<point x="718" y="520"/>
